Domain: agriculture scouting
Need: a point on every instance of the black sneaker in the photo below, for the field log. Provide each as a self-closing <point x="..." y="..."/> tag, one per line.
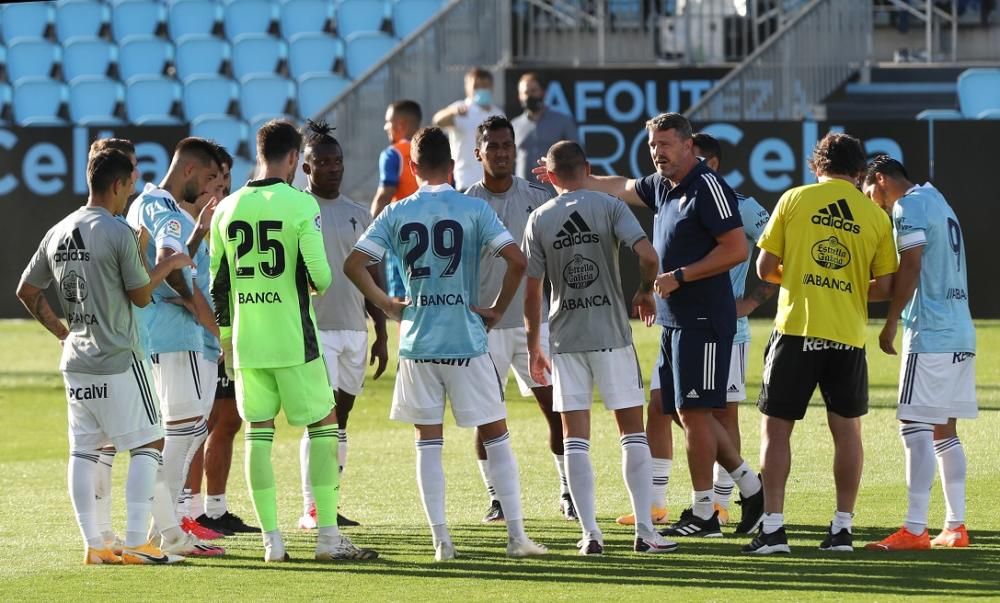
<point x="228" y="521"/>
<point x="494" y="514"/>
<point x="842" y="541"/>
<point x="768" y="544"/>
<point x="591" y="547"/>
<point x="343" y="522"/>
<point x="752" y="513"/>
<point x="206" y="521"/>
<point x="691" y="525"/>
<point x="568" y="508"/>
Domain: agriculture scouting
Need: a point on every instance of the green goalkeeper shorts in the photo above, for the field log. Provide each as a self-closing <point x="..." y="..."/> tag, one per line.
<point x="302" y="391"/>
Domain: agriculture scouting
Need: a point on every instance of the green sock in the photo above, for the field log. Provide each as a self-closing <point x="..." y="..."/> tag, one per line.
<point x="324" y="473"/>
<point x="260" y="476"/>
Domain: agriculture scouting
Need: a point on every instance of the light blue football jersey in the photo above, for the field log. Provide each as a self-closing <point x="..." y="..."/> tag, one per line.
<point x="755" y="219"/>
<point x="937" y="317"/>
<point x="436" y="238"/>
<point x="203" y="280"/>
<point x="166" y="327"/>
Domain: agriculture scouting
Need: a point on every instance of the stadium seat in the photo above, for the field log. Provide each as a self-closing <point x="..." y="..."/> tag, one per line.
<point x="978" y="90"/>
<point x="243" y="170"/>
<point x="364" y="49"/>
<point x="226" y="130"/>
<point x="317" y="90"/>
<point x="409" y="15"/>
<point x="359" y="15"/>
<point x="6" y="98"/>
<point x="26" y="20"/>
<point x="150" y="100"/>
<point x="136" y="18"/>
<point x="940" y="115"/>
<point x="989" y="114"/>
<point x="38" y="102"/>
<point x="265" y="95"/>
<point x="88" y="56"/>
<point x="208" y="95"/>
<point x="305" y="16"/>
<point x="201" y="54"/>
<point x="143" y="55"/>
<point x="189" y="17"/>
<point x="256" y="125"/>
<point x="257" y="54"/>
<point x="80" y="18"/>
<point x="313" y="52"/>
<point x="32" y="57"/>
<point x="93" y="101"/>
<point x="248" y="16"/>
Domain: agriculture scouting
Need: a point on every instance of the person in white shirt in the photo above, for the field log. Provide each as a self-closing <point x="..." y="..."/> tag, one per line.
<point x="460" y="120"/>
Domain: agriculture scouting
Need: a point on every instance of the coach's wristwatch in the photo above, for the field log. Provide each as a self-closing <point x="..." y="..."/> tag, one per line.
<point x="679" y="275"/>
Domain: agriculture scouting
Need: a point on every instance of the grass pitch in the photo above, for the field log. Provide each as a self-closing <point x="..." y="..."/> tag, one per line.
<point x="40" y="556"/>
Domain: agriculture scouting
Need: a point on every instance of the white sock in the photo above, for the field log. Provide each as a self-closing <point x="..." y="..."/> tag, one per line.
<point x="328" y="535"/>
<point x="772" y="522"/>
<point x="661" y="479"/>
<point x="723" y="486"/>
<point x="484" y="470"/>
<point x="746" y="480"/>
<point x="102" y="491"/>
<point x="506" y="482"/>
<point x="580" y="475"/>
<point x="82" y="464"/>
<point x="952" y="465"/>
<point x="701" y="504"/>
<point x="178" y="448"/>
<point x="196" y="505"/>
<point x="842" y="520"/>
<point x="918" y="444"/>
<point x="215" y="506"/>
<point x="308" y="501"/>
<point x="342" y="448"/>
<point x="430" y="480"/>
<point x="164" y="517"/>
<point x="637" y="468"/>
<point x="560" y="461"/>
<point x="184" y="503"/>
<point x="139" y="491"/>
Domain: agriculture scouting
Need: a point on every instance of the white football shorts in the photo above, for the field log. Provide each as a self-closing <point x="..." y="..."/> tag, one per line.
<point x="208" y="370"/>
<point x="615" y="372"/>
<point x="509" y="350"/>
<point x="936" y="387"/>
<point x="471" y="384"/>
<point x="345" y="353"/>
<point x="179" y="384"/>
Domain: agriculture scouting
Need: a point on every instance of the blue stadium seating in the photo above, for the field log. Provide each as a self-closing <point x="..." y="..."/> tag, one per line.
<point x="38" y="101"/>
<point x="136" y="18"/>
<point x="359" y="15"/>
<point x="940" y="115"/>
<point x="150" y="100"/>
<point x="317" y="90"/>
<point x="305" y="16"/>
<point x="257" y="54"/>
<point x="87" y="56"/>
<point x="265" y="95"/>
<point x="143" y="55"/>
<point x="313" y="52"/>
<point x="209" y="94"/>
<point x="248" y="16"/>
<point x="978" y="91"/>
<point x="199" y="54"/>
<point x="31" y="57"/>
<point x="26" y="20"/>
<point x="188" y="17"/>
<point x="409" y="15"/>
<point x="80" y="18"/>
<point x="243" y="169"/>
<point x="6" y="98"/>
<point x="364" y="50"/>
<point x="226" y="130"/>
<point x="93" y="101"/>
<point x="989" y="114"/>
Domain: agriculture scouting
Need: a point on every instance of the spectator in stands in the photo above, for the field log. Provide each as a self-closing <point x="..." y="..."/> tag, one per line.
<point x="539" y="127"/>
<point x="461" y="118"/>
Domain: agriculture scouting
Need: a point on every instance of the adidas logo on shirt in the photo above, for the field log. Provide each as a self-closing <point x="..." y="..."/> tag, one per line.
<point x="693" y="394"/>
<point x="575" y="231"/>
<point x="72" y="249"/>
<point x="838" y="215"/>
<point x="733" y="389"/>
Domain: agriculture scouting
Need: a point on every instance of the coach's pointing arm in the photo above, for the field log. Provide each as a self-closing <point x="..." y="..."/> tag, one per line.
<point x="616" y="186"/>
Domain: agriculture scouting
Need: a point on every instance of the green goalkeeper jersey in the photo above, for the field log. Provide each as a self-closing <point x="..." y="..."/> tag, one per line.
<point x="267" y="257"/>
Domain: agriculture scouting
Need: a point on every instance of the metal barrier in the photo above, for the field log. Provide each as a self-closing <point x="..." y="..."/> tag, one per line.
<point x="799" y="66"/>
<point x="427" y="67"/>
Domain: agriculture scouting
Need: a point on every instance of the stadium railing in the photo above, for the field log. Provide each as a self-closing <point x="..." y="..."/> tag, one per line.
<point x="806" y="60"/>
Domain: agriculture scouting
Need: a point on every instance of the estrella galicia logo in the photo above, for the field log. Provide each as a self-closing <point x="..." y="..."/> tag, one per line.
<point x="838" y="215"/>
<point x="575" y="231"/>
<point x="831" y="253"/>
<point x="73" y="287"/>
<point x="580" y="272"/>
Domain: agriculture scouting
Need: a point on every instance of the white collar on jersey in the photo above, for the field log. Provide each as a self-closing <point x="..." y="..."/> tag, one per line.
<point x="435" y="188"/>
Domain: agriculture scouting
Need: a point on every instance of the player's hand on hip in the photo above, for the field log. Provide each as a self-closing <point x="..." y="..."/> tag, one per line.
<point x="539" y="367"/>
<point x="644" y="306"/>
<point x="178" y="260"/>
<point x="490" y="316"/>
<point x="380" y="353"/>
<point x="665" y="284"/>
<point x="887" y="337"/>
<point x="394" y="308"/>
<point x="541" y="172"/>
<point x="227" y="357"/>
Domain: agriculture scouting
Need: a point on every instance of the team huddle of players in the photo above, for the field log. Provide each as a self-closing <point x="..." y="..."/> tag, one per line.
<point x="253" y="321"/>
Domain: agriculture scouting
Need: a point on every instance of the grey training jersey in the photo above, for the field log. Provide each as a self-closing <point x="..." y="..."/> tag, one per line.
<point x="574" y="239"/>
<point x="342" y="307"/>
<point x="93" y="257"/>
<point x="513" y="206"/>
